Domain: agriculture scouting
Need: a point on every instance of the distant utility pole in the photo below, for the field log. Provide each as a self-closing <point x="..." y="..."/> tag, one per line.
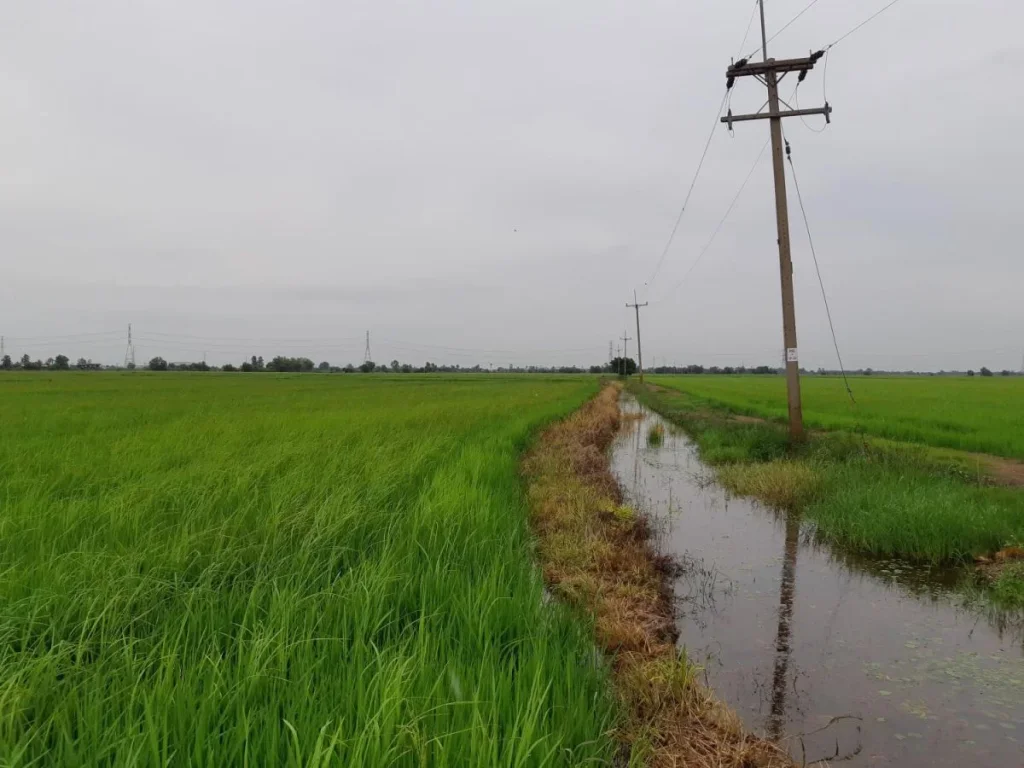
<point x="366" y="355"/>
<point x="129" y="352"/>
<point x="771" y="72"/>
<point x="625" y="350"/>
<point x="639" y="350"/>
<point x="1" y="346"/>
<point x="611" y="355"/>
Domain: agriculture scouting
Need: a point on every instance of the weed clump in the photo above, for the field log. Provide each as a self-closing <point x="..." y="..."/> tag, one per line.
<point x="656" y="435"/>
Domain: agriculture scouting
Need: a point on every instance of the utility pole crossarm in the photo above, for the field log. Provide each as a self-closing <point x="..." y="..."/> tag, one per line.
<point x="826" y="111"/>
<point x="744" y="68"/>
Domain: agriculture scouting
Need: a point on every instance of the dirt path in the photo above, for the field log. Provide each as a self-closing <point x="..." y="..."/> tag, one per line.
<point x="1008" y="472"/>
<point x="597" y="554"/>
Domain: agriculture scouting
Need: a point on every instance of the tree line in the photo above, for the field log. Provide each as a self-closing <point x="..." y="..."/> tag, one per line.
<point x="283" y="364"/>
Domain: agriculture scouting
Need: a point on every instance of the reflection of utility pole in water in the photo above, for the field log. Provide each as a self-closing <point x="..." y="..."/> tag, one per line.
<point x="636" y="457"/>
<point x="783" y="647"/>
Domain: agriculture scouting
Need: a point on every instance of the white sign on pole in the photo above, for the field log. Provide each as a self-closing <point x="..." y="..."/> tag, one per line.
<point x="791" y="356"/>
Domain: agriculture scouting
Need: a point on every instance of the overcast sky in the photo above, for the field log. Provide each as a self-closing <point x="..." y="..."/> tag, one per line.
<point x="489" y="181"/>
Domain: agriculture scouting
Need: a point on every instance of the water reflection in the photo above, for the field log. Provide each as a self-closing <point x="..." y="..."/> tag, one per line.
<point x="845" y="658"/>
<point x="787" y="594"/>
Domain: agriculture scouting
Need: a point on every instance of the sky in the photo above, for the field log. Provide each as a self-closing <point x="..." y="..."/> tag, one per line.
<point x="489" y="182"/>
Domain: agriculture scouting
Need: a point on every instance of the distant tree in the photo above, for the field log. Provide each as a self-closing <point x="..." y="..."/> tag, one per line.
<point x="131" y="366"/>
<point x="247" y="368"/>
<point x="82" y="364"/>
<point x="60" y="362"/>
<point x="158" y="364"/>
<point x="429" y="367"/>
<point x="597" y="369"/>
<point x="324" y="366"/>
<point x="25" y="361"/>
<point x="229" y="368"/>
<point x="985" y="371"/>
<point x="1005" y="373"/>
<point x="406" y="368"/>
<point x="396" y="366"/>
<point x="290" y="364"/>
<point x="868" y="372"/>
<point x="621" y="365"/>
<point x="349" y="368"/>
<point x="49" y="362"/>
<point x="6" y="363"/>
<point x="970" y="373"/>
<point x="368" y="366"/>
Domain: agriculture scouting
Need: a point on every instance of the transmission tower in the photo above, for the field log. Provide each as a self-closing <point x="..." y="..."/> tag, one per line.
<point x="129" y="352"/>
<point x="611" y="350"/>
<point x="366" y="355"/>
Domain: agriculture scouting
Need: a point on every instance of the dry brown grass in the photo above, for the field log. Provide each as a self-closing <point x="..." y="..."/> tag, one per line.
<point x="596" y="554"/>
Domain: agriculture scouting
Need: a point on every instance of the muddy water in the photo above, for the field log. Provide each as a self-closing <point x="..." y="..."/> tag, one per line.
<point x="861" y="663"/>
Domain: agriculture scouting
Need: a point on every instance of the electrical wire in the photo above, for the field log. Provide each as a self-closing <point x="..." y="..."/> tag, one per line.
<point x="817" y="269"/>
<point x="785" y="26"/>
<point x="718" y="228"/>
<point x="689" y="192"/>
<point x="869" y="19"/>
<point x="67" y="336"/>
<point x="824" y="97"/>
<point x="750" y="22"/>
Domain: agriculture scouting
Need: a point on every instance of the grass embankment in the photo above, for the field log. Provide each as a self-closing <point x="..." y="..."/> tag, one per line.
<point x="595" y="555"/>
<point x="284" y="570"/>
<point x="874" y="497"/>
<point x="970" y="414"/>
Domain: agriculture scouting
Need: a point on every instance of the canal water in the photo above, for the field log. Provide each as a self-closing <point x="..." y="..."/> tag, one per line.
<point x="854" y="661"/>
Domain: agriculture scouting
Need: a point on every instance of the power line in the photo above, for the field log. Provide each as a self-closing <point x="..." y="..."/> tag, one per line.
<point x="785" y="26"/>
<point x="689" y="192"/>
<point x="67" y="336"/>
<point x="817" y="269"/>
<point x="866" y="21"/>
<point x="750" y="22"/>
<point x="721" y="223"/>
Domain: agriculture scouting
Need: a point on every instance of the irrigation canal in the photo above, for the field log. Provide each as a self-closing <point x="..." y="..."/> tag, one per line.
<point x="857" y="662"/>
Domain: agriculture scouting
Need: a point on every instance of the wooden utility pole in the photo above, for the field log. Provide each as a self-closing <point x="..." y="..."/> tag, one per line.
<point x="625" y="351"/>
<point x="770" y="72"/>
<point x="639" y="349"/>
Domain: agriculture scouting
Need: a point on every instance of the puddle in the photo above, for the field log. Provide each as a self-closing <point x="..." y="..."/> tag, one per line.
<point x="858" y="662"/>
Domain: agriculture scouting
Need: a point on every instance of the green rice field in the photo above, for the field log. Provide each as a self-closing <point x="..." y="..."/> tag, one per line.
<point x="221" y="570"/>
<point x="967" y="413"/>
